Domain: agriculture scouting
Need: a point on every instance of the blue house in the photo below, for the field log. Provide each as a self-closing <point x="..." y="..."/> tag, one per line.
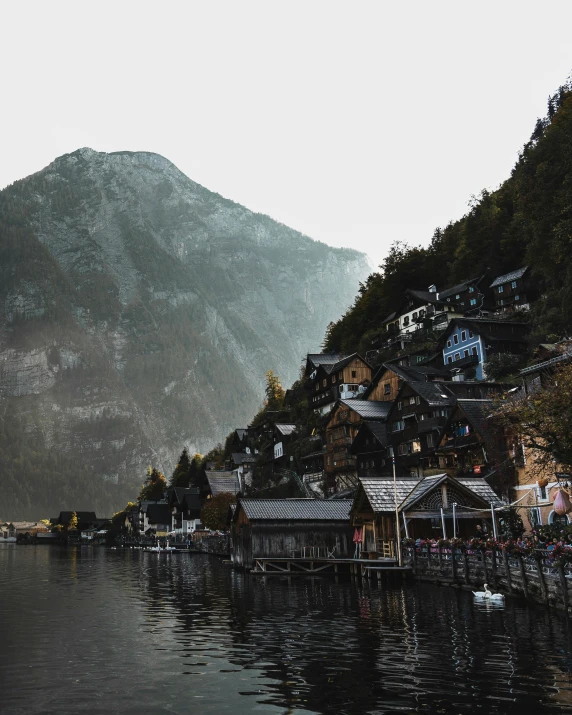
<point x="468" y="342"/>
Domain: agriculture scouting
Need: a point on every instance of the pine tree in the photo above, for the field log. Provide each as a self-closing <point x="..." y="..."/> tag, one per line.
<point x="154" y="487"/>
<point x="181" y="476"/>
<point x="274" y="391"/>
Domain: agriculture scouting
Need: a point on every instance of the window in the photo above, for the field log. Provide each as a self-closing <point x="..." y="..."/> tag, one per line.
<point x="535" y="518"/>
<point x="501" y="302"/>
<point x="398" y="426"/>
<point x="542" y="493"/>
<point x="449" y="359"/>
<point x="471" y="289"/>
<point x="414" y="400"/>
<point x="399" y="405"/>
<point x="463" y="335"/>
<point x="422" y="312"/>
<point x="354" y="373"/>
<point x="402" y="449"/>
<point x="457" y="356"/>
<point x="500" y="289"/>
<point x="457" y="296"/>
<point x="513" y="284"/>
<point x="317" y="386"/>
<point x="517" y="297"/>
<point x="324" y="383"/>
<point x="448" y="300"/>
<point x="423" y="416"/>
<point x="471" y="333"/>
<point x="473" y="301"/>
<point x="430" y="440"/>
<point x="456" y="339"/>
<point x="474" y="350"/>
<point x="465" y="353"/>
<point x="414" y="316"/>
<point x="449" y="344"/>
<point x="333" y="379"/>
<point x="386" y="388"/>
<point x="406" y="321"/>
<point x="416" y="446"/>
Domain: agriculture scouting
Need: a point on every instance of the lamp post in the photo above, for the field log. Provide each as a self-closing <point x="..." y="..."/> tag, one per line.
<point x="397" y="529"/>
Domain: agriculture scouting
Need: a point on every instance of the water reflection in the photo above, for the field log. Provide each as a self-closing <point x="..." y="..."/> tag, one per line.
<point x="128" y="631"/>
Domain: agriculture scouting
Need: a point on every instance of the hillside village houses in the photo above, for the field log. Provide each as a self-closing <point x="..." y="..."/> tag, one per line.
<point x="422" y="415"/>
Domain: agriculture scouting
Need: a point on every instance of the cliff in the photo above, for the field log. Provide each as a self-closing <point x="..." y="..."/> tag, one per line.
<point x="138" y="314"/>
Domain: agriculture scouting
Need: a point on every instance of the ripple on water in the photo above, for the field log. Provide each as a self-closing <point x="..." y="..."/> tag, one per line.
<point x="89" y="630"/>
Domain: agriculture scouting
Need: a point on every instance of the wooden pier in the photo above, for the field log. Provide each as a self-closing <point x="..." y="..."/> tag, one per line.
<point x="367" y="568"/>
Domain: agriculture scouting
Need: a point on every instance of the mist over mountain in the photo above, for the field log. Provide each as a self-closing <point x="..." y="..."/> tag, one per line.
<point x="139" y="313"/>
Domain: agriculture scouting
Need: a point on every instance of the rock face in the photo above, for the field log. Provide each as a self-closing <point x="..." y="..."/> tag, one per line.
<point x="139" y="312"/>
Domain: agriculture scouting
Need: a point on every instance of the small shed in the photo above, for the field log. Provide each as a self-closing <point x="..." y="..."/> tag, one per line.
<point x="283" y="528"/>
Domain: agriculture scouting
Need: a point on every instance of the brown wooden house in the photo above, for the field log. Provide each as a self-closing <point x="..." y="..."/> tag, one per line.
<point x="344" y="379"/>
<point x="424" y="510"/>
<point x="513" y="291"/>
<point x="342" y="427"/>
<point x="275" y="528"/>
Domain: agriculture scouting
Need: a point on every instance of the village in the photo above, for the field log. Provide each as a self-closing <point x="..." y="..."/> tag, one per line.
<point x="370" y="464"/>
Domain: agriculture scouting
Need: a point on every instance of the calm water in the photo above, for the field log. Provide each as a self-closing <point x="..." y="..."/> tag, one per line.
<point x="96" y="631"/>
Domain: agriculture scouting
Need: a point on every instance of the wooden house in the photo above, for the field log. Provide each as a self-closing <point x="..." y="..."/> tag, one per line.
<point x="370" y="449"/>
<point x="285" y="527"/>
<point x="424" y="509"/>
<point x="513" y="291"/>
<point x="389" y="378"/>
<point x="343" y="423"/>
<point x="185" y="505"/>
<point x="344" y="379"/>
<point x="415" y="424"/>
<point x="469" y="444"/>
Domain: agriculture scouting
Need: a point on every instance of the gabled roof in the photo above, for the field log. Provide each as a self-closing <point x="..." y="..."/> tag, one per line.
<point x="477" y="412"/>
<point x="296" y="509"/>
<point x="378" y="431"/>
<point x="179" y="493"/>
<point x="158" y="513"/>
<point x="220" y="482"/>
<point x="380" y="491"/>
<point x="487" y="328"/>
<point x="366" y="409"/>
<point x="243" y="458"/>
<point x="512" y="276"/>
<point x="285" y="429"/>
<point x="314" y="360"/>
<point x="415" y="373"/>
<point x="424" y="296"/>
<point x="448" y="292"/>
<point x="434" y="393"/>
<point x="420" y="489"/>
<point x="329" y="368"/>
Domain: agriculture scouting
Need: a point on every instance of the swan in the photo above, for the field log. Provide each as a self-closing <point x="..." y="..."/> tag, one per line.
<point x="488" y="595"/>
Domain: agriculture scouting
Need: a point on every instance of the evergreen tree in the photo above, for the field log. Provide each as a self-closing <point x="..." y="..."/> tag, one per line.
<point x="274" y="391"/>
<point x="181" y="476"/>
<point x="154" y="487"/>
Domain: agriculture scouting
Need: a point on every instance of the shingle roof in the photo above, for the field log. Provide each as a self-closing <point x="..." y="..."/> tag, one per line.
<point x="448" y="292"/>
<point x="420" y="489"/>
<point x="243" y="458"/>
<point x="318" y="359"/>
<point x="368" y="410"/>
<point x="512" y="276"/>
<point x="477" y="412"/>
<point x="425" y="296"/>
<point x="480" y="487"/>
<point x="220" y="482"/>
<point x="297" y="509"/>
<point x="380" y="494"/>
<point x="378" y="430"/>
<point x="433" y="393"/>
<point x="285" y="429"/>
<point x="484" y="328"/>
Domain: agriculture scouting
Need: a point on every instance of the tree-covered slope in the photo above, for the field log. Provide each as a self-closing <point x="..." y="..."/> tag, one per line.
<point x="528" y="220"/>
<point x="139" y="313"/>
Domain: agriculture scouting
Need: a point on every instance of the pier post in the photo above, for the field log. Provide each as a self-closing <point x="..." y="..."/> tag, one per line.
<point x="563" y="586"/>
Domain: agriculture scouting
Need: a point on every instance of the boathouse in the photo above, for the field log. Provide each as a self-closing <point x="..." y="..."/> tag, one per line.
<point x="434" y="507"/>
<point x="289" y="528"/>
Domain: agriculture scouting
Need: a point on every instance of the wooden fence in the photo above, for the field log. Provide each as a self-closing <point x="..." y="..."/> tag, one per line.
<point x="538" y="577"/>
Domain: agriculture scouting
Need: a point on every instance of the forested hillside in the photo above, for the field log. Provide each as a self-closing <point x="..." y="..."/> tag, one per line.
<point x="528" y="220"/>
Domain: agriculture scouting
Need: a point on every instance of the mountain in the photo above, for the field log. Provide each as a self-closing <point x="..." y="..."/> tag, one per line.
<point x="139" y="313"/>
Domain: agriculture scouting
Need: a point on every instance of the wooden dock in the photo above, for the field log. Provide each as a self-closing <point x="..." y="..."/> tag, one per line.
<point x="367" y="568"/>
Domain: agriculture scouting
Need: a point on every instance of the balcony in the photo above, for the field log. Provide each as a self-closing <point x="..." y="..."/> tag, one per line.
<point x="469" y="361"/>
<point x="323" y="398"/>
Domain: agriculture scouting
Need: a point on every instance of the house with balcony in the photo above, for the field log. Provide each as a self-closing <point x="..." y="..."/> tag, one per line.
<point x="340" y="465"/>
<point x="345" y="379"/>
<point x="415" y="424"/>
<point x="185" y="505"/>
<point x="390" y="376"/>
<point x="470" y="445"/>
<point x="468" y="342"/>
<point x="470" y="296"/>
<point x="513" y="291"/>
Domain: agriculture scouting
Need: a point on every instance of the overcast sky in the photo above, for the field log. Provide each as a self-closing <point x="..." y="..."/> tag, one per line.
<point x="357" y="123"/>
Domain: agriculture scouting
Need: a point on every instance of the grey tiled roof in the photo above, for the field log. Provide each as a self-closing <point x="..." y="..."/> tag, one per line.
<point x="378" y="430"/>
<point x="448" y="292"/>
<point x="297" y="509"/>
<point x="512" y="276"/>
<point x="380" y="494"/>
<point x="222" y="482"/>
<point x="477" y="412"/>
<point x="423" y="295"/>
<point x="424" y="486"/>
<point x="369" y="410"/>
<point x="434" y="393"/>
<point x="480" y="487"/>
<point x="243" y="458"/>
<point x="324" y="358"/>
<point x="285" y="429"/>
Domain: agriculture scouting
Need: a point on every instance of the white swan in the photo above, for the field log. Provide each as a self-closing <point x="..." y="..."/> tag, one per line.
<point x="488" y="595"/>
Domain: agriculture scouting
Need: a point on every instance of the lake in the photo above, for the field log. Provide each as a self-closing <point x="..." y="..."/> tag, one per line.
<point x="92" y="630"/>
